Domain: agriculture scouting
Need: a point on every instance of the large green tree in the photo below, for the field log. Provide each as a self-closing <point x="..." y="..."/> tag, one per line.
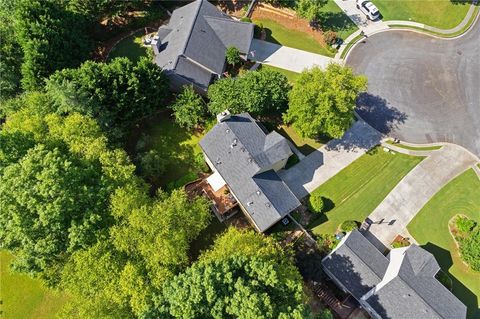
<point x="116" y="94"/>
<point x="51" y="37"/>
<point x="309" y="9"/>
<point x="189" y="108"/>
<point x="257" y="92"/>
<point x="323" y="101"/>
<point x="244" y="275"/>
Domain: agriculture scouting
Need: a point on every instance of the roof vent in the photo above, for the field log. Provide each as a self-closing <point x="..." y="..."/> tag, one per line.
<point x="268" y="204"/>
<point x="249" y="203"/>
<point x="242" y="149"/>
<point x="227" y="130"/>
<point x="234" y="143"/>
<point x="250" y="159"/>
<point x="222" y="117"/>
<point x="258" y="192"/>
<point x="218" y="161"/>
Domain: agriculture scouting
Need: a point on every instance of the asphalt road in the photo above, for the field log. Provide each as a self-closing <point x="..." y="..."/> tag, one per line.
<point x="422" y="89"/>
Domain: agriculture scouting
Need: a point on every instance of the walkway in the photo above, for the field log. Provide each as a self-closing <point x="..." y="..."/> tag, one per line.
<point x="328" y="160"/>
<point x="285" y="57"/>
<point x="401" y="205"/>
<point x="369" y="27"/>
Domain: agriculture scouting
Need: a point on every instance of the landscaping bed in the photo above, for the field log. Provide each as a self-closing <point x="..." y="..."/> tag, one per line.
<point x="430" y="228"/>
<point x="359" y="188"/>
<point x="443" y="14"/>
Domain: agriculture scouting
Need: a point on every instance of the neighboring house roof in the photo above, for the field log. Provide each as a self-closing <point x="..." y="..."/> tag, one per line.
<point x="406" y="289"/>
<point x="197" y="36"/>
<point x="357" y="264"/>
<point x="242" y="153"/>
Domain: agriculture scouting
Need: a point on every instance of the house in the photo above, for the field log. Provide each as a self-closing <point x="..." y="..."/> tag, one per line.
<point x="246" y="159"/>
<point x="401" y="285"/>
<point x="191" y="47"/>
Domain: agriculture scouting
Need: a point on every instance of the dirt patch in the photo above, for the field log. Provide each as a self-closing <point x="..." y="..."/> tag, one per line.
<point x="288" y="19"/>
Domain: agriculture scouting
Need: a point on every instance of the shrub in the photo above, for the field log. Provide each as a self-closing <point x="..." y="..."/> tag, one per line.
<point x="330" y="37"/>
<point x="349" y="225"/>
<point x="152" y="164"/>
<point x="232" y="55"/>
<point x="470" y="249"/>
<point x="400" y="244"/>
<point x="326" y="242"/>
<point x="316" y="203"/>
<point x="464" y="224"/>
<point x="246" y="19"/>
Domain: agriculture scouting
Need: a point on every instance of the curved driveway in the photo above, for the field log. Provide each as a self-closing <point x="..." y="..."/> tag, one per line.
<point x="422" y="89"/>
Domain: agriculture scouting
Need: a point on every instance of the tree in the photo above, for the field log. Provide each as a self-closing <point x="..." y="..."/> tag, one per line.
<point x="189" y="108"/>
<point x="55" y="203"/>
<point x="315" y="202"/>
<point x="235" y="287"/>
<point x="117" y="94"/>
<point x="257" y="92"/>
<point x="51" y="37"/>
<point x="349" y="225"/>
<point x="309" y="9"/>
<point x="325" y="314"/>
<point x="232" y="55"/>
<point x="152" y="164"/>
<point x="470" y="248"/>
<point x="323" y="101"/>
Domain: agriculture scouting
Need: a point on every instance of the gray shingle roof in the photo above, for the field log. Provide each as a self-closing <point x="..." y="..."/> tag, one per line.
<point x="408" y="292"/>
<point x="200" y="32"/>
<point x="357" y="264"/>
<point x="234" y="147"/>
<point x="416" y="286"/>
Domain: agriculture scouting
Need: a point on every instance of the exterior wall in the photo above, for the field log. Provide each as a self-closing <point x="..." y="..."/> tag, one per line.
<point x="177" y="83"/>
<point x="209" y="163"/>
<point x="276" y="167"/>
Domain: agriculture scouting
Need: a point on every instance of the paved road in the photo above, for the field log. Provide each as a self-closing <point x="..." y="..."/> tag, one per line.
<point x="422" y="89"/>
<point x="401" y="205"/>
<point x="285" y="57"/>
<point x="319" y="166"/>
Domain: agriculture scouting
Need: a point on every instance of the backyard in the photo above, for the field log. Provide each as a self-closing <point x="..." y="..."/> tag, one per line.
<point x="430" y="229"/>
<point x="358" y="189"/>
<point x="22" y="297"/>
<point x="443" y="14"/>
<point x="130" y="47"/>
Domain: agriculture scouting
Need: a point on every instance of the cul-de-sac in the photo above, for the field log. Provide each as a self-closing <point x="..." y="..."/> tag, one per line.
<point x="239" y="159"/>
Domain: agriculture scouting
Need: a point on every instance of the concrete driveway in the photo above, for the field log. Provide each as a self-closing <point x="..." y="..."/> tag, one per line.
<point x="359" y="18"/>
<point x="401" y="205"/>
<point x="321" y="165"/>
<point x="422" y="89"/>
<point x="286" y="58"/>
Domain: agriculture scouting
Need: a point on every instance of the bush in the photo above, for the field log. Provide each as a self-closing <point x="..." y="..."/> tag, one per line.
<point x="246" y="19"/>
<point x="152" y="164"/>
<point x="470" y="249"/>
<point x="400" y="244"/>
<point x="200" y="163"/>
<point x="330" y="37"/>
<point x="232" y="55"/>
<point x="316" y="203"/>
<point x="349" y="225"/>
<point x="464" y="224"/>
<point x="326" y="242"/>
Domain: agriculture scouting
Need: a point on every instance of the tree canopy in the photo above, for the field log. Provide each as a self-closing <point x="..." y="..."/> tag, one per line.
<point x="244" y="275"/>
<point x="309" y="9"/>
<point x="51" y="37"/>
<point x="116" y="94"/>
<point x="189" y="108"/>
<point x="257" y="92"/>
<point x="322" y="101"/>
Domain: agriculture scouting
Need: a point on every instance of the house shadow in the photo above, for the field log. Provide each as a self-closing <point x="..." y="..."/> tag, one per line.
<point x="377" y="112"/>
<point x="261" y="51"/>
<point x="465" y="295"/>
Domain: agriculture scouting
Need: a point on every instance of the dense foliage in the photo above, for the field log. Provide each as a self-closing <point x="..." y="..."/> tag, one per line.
<point x="257" y="92"/>
<point x="245" y="275"/>
<point x="189" y="108"/>
<point x="468" y="238"/>
<point x="116" y="94"/>
<point x="323" y="101"/>
<point x="315" y="202"/>
<point x="51" y="37"/>
<point x="232" y="55"/>
<point x="349" y="225"/>
<point x="57" y="176"/>
<point x="309" y="9"/>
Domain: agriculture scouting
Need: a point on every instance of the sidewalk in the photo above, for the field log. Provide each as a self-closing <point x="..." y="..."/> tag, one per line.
<point x="285" y="57"/>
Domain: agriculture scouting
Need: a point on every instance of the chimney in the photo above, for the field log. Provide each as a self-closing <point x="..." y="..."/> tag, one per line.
<point x="222" y="117"/>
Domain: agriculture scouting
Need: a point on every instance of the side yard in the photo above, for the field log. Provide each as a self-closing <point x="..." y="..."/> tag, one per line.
<point x="358" y="189"/>
<point x="24" y="297"/>
<point x="443" y="14"/>
<point x="430" y="229"/>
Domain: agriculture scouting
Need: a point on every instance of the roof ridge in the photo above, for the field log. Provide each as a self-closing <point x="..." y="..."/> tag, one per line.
<point x="225" y="19"/>
<point x="200" y="3"/>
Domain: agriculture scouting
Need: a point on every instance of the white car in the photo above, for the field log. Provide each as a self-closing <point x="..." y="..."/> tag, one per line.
<point x="369" y="9"/>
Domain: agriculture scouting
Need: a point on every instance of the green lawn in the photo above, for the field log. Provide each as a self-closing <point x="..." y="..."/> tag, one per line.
<point x="277" y="33"/>
<point x="130" y="47"/>
<point x="177" y="144"/>
<point x="22" y="297"/>
<point x="430" y="228"/>
<point x="444" y="14"/>
<point x="334" y="19"/>
<point x="358" y="189"/>
<point x="415" y="148"/>
<point x="291" y="76"/>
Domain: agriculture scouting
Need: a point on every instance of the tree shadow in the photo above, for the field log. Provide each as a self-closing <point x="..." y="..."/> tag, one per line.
<point x="378" y="113"/>
<point x="335" y="21"/>
<point x="444" y="259"/>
